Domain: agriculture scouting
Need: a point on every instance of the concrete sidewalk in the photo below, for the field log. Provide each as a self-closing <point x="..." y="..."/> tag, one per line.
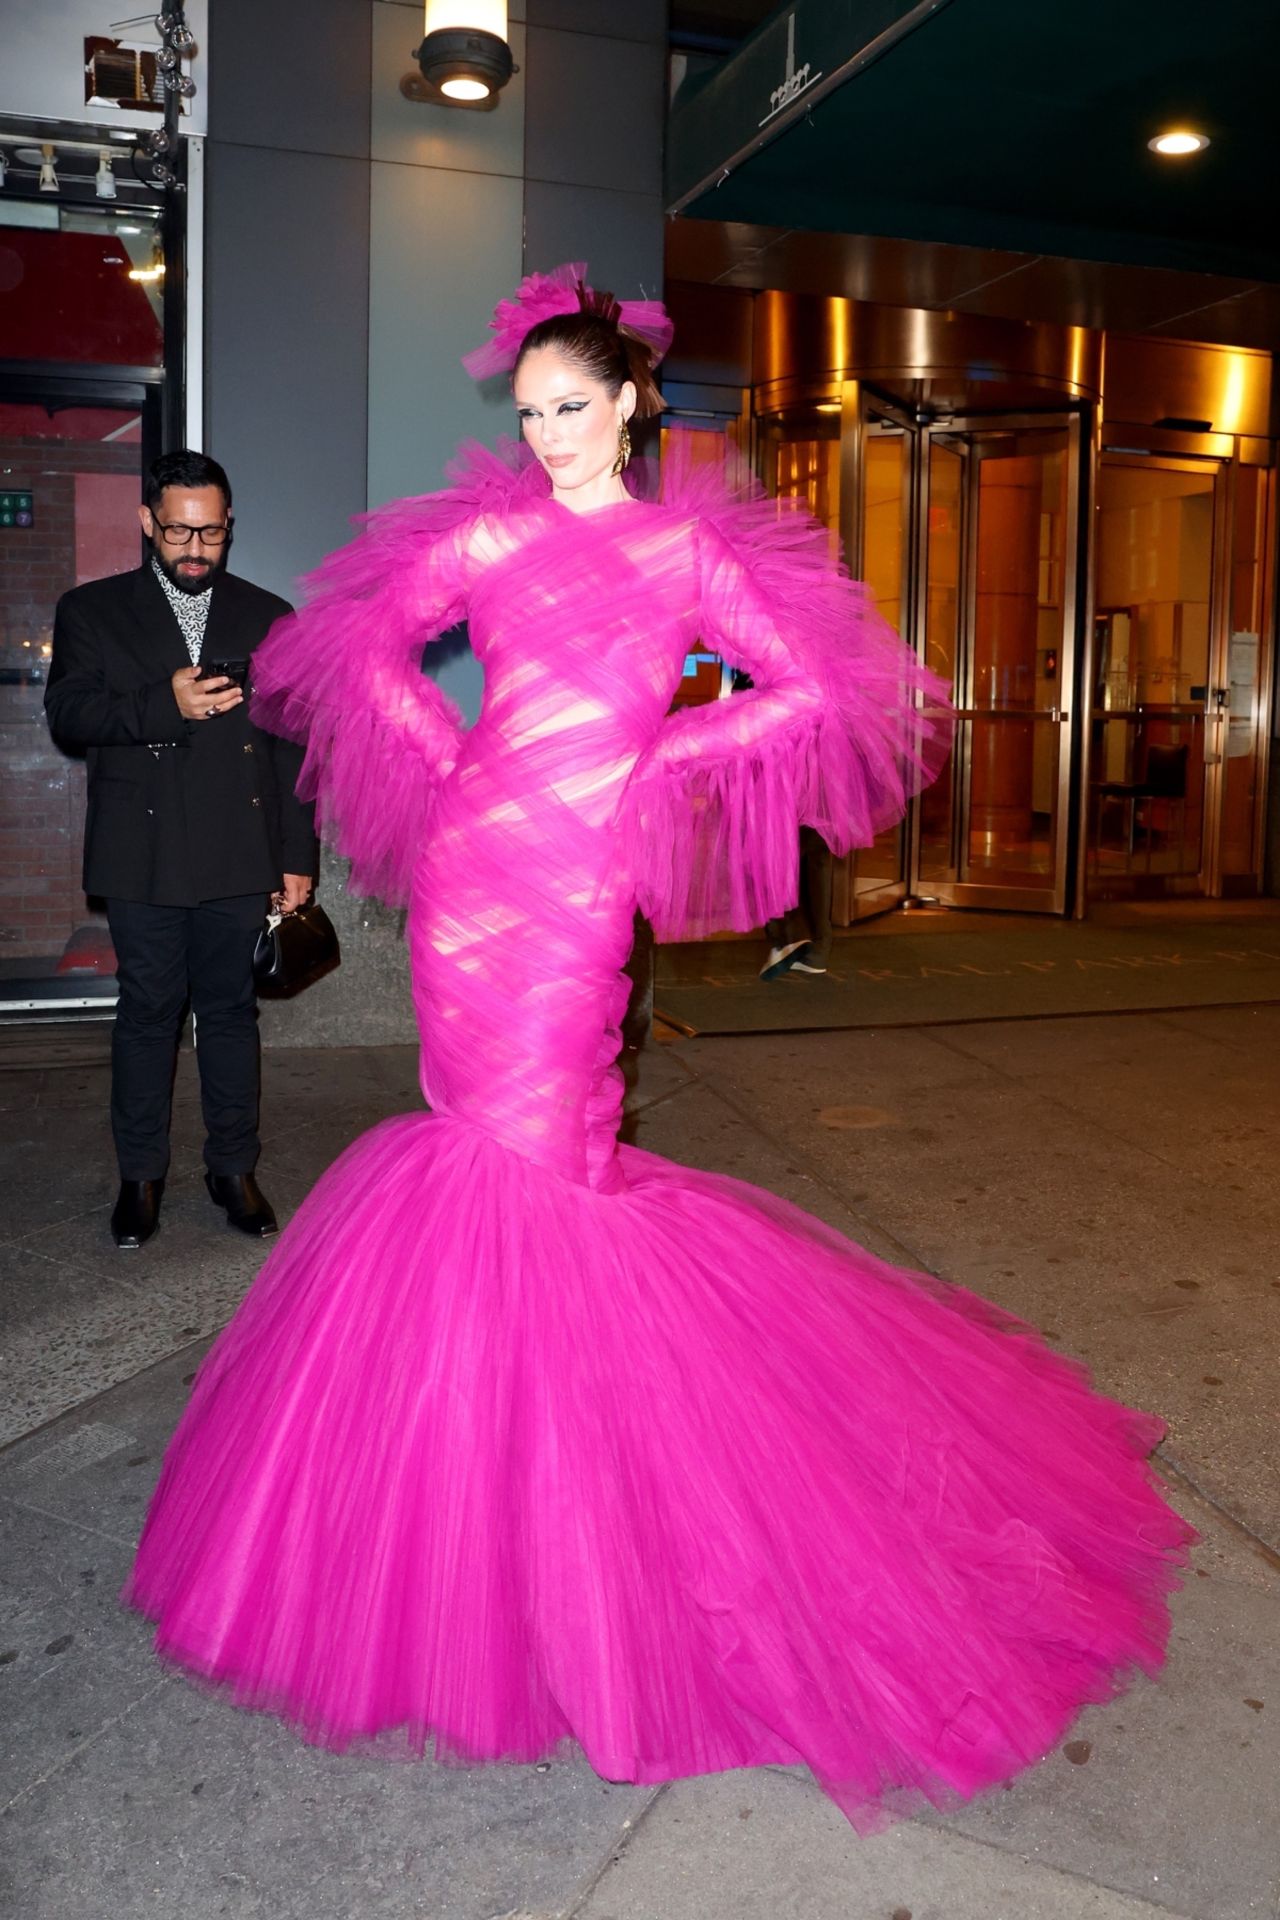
<point x="1112" y="1179"/>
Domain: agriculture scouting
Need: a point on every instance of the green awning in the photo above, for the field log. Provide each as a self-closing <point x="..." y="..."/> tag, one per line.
<point x="1012" y="124"/>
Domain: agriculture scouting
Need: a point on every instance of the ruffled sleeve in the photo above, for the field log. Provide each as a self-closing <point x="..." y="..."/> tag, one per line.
<point x="345" y="676"/>
<point x="841" y="726"/>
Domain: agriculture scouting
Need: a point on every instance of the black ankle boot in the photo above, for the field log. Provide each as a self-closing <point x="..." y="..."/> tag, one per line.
<point x="245" y="1205"/>
<point x="137" y="1212"/>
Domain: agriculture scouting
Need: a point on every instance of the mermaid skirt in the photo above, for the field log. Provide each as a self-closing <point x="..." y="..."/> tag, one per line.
<point x="492" y="1460"/>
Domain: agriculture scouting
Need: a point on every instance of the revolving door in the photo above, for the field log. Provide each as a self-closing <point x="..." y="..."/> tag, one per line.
<point x="1077" y="532"/>
<point x="967" y="531"/>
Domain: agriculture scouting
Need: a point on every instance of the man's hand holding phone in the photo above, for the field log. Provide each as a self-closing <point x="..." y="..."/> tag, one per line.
<point x="203" y="692"/>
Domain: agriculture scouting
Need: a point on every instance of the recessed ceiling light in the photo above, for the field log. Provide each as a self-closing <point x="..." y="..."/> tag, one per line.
<point x="1178" y="141"/>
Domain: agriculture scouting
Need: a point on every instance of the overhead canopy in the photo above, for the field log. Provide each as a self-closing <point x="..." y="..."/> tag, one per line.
<point x="1003" y="124"/>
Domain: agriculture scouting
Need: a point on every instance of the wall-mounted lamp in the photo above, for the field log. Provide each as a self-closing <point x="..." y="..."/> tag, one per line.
<point x="48" y="177"/>
<point x="464" y="55"/>
<point x="104" y="180"/>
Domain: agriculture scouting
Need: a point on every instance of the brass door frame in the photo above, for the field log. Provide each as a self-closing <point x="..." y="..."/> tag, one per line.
<point x="1217" y="883"/>
<point x="972" y="431"/>
<point x="1205" y="881"/>
<point x="1266" y="679"/>
<point x="1218" y="682"/>
<point x="857" y="406"/>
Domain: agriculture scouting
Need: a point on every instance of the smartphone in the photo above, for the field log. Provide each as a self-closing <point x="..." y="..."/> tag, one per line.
<point x="237" y="670"/>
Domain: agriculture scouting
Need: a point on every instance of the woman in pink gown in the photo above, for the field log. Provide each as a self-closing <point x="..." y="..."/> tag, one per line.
<point x="523" y="1437"/>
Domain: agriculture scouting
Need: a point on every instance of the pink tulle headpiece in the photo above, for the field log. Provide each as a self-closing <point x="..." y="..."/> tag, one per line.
<point x="542" y="296"/>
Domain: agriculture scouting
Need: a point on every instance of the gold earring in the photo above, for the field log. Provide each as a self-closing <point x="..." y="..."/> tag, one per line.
<point x="624" y="448"/>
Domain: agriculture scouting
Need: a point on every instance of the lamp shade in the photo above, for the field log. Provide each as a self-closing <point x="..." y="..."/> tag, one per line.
<point x="464" y="52"/>
<point x="474" y="16"/>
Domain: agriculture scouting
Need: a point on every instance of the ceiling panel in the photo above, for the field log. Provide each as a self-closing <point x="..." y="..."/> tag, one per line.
<point x="1019" y="286"/>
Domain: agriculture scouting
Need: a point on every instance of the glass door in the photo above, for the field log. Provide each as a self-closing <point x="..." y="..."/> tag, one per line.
<point x="996" y="620"/>
<point x="1242" y="688"/>
<point x="967" y="534"/>
<point x="882" y="552"/>
<point x="1160" y="697"/>
<point x="71" y="456"/>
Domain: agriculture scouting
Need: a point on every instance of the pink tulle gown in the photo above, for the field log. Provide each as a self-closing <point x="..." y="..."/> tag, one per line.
<point x="524" y="1438"/>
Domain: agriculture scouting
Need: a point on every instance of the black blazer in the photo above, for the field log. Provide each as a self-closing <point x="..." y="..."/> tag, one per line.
<point x="179" y="810"/>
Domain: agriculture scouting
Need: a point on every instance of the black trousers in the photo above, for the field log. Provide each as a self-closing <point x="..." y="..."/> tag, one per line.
<point x="810" y="918"/>
<point x="166" y="956"/>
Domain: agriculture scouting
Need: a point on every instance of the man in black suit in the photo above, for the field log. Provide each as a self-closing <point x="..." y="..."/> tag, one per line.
<point x="192" y="824"/>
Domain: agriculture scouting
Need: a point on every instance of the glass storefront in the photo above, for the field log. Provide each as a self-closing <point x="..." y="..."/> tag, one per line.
<point x="80" y="394"/>
<point x="78" y="466"/>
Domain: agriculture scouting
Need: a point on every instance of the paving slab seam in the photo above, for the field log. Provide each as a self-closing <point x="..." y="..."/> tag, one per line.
<point x="627" y="1832"/>
<point x="798" y="1158"/>
<point x="131" y="1279"/>
<point x="970" y="1020"/>
<point x="660" y="1099"/>
<point x="91" y="1400"/>
<point x="1146" y="1902"/>
<point x="1150" y="1901"/>
<point x="1098" y="1127"/>
<point x="82" y="1746"/>
<point x="128" y="1541"/>
<point x="50" y="1226"/>
<point x="1225" y="1046"/>
<point x="1174" y="1470"/>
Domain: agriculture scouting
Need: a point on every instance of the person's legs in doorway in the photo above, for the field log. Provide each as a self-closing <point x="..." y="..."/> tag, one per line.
<point x="816" y="881"/>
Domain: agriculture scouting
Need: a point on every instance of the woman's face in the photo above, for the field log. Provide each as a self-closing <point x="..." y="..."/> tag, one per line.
<point x="569" y="418"/>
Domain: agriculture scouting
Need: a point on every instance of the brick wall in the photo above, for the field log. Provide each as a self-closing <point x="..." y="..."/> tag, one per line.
<point x="42" y="789"/>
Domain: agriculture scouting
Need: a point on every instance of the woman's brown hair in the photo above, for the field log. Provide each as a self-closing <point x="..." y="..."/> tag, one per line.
<point x="594" y="341"/>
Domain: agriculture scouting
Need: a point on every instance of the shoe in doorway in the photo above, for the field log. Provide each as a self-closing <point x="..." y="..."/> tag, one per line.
<point x="782" y="959"/>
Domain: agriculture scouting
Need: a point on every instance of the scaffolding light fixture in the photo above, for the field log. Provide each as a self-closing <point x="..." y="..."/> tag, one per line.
<point x="155" y="155"/>
<point x="104" y="180"/>
<point x="48" y="172"/>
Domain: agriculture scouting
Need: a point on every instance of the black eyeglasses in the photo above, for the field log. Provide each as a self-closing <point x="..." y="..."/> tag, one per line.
<point x="176" y="535"/>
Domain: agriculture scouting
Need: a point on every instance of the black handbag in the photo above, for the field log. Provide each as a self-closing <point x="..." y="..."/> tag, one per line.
<point x="294" y="949"/>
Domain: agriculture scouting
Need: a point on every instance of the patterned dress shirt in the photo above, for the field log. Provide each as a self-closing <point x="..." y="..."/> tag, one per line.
<point x="190" y="610"/>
